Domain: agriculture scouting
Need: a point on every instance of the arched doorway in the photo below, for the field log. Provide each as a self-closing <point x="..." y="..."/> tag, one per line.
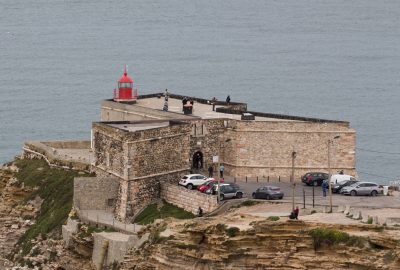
<point x="197" y="160"/>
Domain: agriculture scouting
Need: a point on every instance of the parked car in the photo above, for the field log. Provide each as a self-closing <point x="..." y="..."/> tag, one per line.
<point x="314" y="178"/>
<point x="336" y="178"/>
<point x="336" y="188"/>
<point x="208" y="184"/>
<point x="268" y="192"/>
<point x="363" y="188"/>
<point x="227" y="191"/>
<point x="193" y="180"/>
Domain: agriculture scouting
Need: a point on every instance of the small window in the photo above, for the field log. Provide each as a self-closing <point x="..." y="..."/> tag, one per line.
<point x="110" y="202"/>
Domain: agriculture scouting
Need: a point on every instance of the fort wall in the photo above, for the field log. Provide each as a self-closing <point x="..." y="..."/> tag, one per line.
<point x="190" y="200"/>
<point x="95" y="193"/>
<point x="265" y="148"/>
<point x="131" y="155"/>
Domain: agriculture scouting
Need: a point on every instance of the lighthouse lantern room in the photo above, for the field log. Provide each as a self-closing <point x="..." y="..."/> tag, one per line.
<point x="125" y="89"/>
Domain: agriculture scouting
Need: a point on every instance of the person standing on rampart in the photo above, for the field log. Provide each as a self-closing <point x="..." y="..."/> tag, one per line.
<point x="324" y="188"/>
<point x="210" y="171"/>
<point x="221" y="170"/>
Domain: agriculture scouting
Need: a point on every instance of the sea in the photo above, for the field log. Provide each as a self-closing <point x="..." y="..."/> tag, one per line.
<point x="335" y="59"/>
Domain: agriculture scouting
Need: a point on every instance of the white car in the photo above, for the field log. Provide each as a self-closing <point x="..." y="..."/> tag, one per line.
<point x="193" y="180"/>
<point x="337" y="178"/>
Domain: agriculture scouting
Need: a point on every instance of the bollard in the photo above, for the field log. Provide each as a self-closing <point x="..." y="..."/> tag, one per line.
<point x="279" y="178"/>
<point x="313" y="196"/>
<point x="234" y="179"/>
<point x="257" y="179"/>
<point x="268" y="179"/>
<point x="304" y="199"/>
<point x="246" y="179"/>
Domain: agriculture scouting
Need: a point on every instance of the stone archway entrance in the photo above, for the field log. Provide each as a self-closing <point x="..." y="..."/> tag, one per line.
<point x="197" y="160"/>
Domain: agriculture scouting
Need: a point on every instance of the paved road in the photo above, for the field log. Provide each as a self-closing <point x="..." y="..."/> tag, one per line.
<point x="337" y="199"/>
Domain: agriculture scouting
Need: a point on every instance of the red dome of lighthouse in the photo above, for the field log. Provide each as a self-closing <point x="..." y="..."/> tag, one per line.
<point x="125" y="87"/>
<point x="125" y="78"/>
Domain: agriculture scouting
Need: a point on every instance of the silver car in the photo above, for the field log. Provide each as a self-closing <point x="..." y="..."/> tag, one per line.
<point x="362" y="188"/>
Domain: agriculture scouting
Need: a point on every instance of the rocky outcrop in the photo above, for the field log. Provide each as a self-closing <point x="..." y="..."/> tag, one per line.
<point x="17" y="216"/>
<point x="206" y="244"/>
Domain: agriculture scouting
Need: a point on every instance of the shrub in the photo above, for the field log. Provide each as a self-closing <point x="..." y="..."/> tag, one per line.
<point x="332" y="237"/>
<point x="370" y="220"/>
<point x="221" y="227"/>
<point x="313" y="211"/>
<point x="232" y="231"/>
<point x="249" y="203"/>
<point x="273" y="218"/>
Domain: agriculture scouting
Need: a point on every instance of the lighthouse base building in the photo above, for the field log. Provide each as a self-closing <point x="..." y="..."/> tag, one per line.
<point x="153" y="139"/>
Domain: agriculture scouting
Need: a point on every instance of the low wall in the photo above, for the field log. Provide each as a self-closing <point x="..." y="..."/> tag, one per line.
<point x="57" y="155"/>
<point x="68" y="144"/>
<point x="190" y="200"/>
<point x="95" y="193"/>
<point x="112" y="247"/>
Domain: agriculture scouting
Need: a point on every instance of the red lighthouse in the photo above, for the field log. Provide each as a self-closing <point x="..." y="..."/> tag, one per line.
<point x="125" y="89"/>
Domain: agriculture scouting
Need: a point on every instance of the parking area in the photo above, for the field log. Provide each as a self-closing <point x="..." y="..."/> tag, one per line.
<point x="379" y="201"/>
<point x="313" y="195"/>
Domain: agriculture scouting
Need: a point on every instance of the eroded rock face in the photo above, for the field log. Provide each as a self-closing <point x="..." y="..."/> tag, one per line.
<point x="267" y="245"/>
<point x="16" y="216"/>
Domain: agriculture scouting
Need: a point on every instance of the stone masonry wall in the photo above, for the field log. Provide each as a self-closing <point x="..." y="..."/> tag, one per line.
<point x="94" y="193"/>
<point x="190" y="200"/>
<point x="114" y="111"/>
<point x="264" y="148"/>
<point x="131" y="155"/>
<point x="144" y="191"/>
<point x="207" y="137"/>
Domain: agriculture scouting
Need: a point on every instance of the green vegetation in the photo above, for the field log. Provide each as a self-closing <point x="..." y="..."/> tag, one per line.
<point x="370" y="220"/>
<point x="55" y="187"/>
<point x="232" y="231"/>
<point x="246" y="203"/>
<point x="313" y="211"/>
<point x="152" y="212"/>
<point x="249" y="203"/>
<point x="221" y="227"/>
<point x="92" y="229"/>
<point x="331" y="237"/>
<point x="273" y="218"/>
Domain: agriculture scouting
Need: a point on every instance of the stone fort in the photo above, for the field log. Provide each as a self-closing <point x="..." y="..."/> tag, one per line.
<point x="157" y="138"/>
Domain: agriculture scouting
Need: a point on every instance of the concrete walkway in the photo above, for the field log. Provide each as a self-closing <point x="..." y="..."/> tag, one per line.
<point x="107" y="219"/>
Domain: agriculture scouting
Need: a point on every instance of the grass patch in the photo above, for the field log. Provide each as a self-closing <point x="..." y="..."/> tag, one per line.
<point x="92" y="229"/>
<point x="273" y="218"/>
<point x="246" y="203"/>
<point x="232" y="231"/>
<point x="55" y="187"/>
<point x="330" y="237"/>
<point x="152" y="212"/>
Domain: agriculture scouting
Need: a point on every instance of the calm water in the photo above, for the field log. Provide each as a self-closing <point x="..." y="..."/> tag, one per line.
<point x="328" y="59"/>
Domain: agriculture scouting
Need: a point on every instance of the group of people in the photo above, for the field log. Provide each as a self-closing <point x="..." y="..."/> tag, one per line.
<point x="221" y="171"/>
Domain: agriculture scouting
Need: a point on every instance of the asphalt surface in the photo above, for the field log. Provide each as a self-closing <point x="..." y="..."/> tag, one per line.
<point x="379" y="201"/>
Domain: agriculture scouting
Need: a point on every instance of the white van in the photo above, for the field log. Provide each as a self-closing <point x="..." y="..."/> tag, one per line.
<point x="336" y="178"/>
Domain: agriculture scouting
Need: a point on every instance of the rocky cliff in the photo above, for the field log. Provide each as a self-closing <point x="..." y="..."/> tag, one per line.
<point x="210" y="244"/>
